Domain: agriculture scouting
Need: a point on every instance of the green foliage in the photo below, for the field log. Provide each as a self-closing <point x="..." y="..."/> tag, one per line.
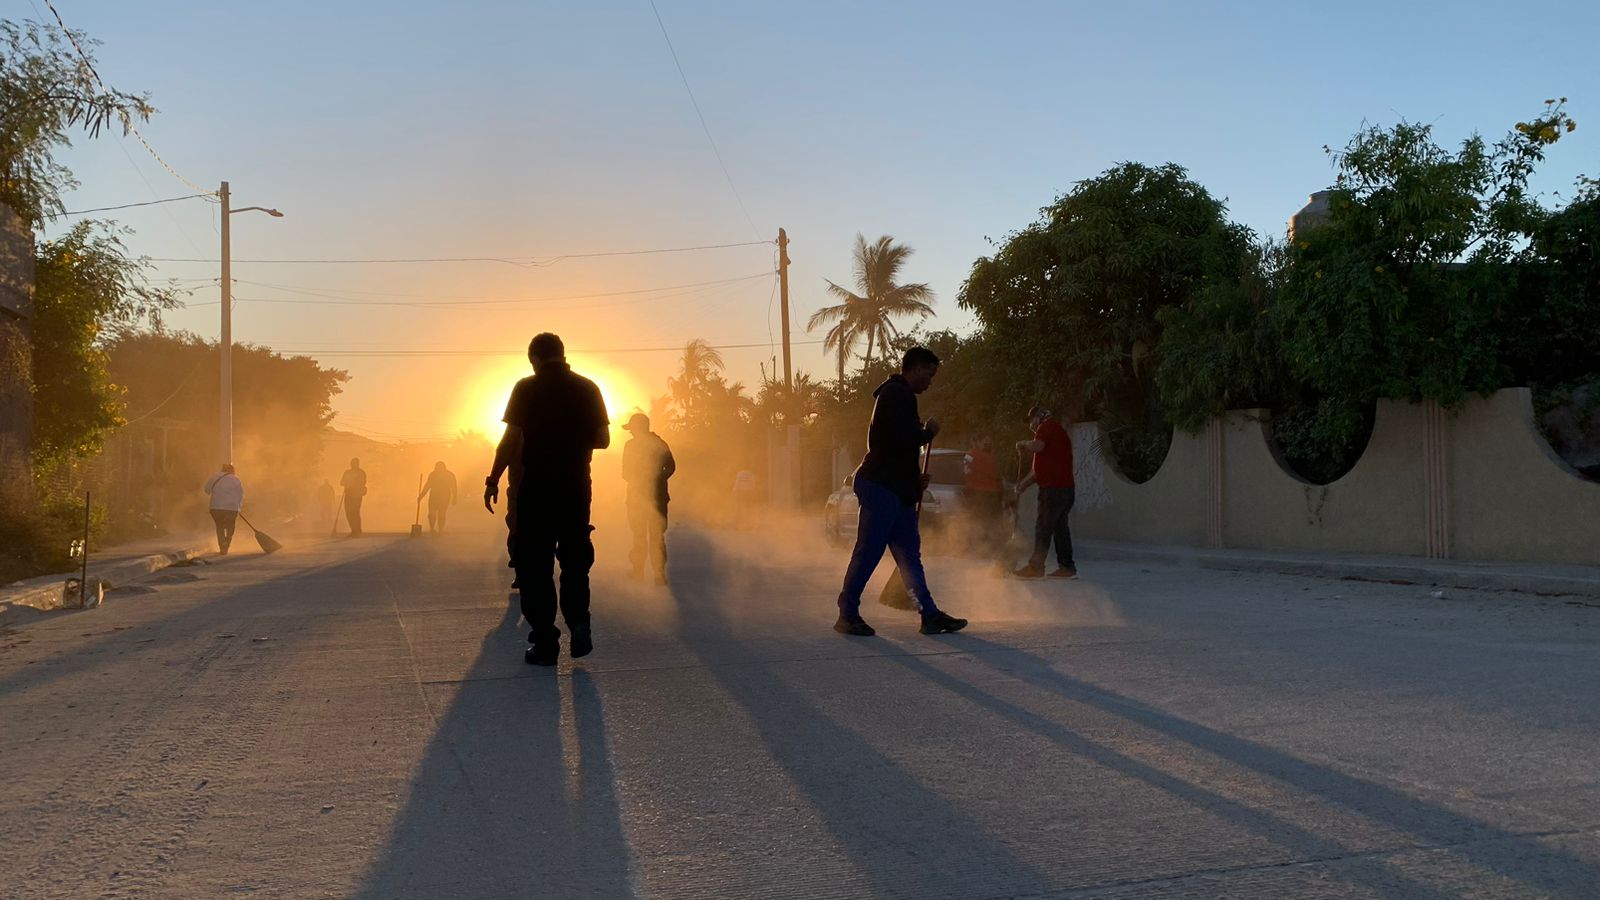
<point x="86" y="289"/>
<point x="1077" y="297"/>
<point x="1408" y="290"/>
<point x="46" y="92"/>
<point x="281" y="406"/>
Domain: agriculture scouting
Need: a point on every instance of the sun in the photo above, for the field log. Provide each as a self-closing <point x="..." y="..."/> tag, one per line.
<point x="487" y="393"/>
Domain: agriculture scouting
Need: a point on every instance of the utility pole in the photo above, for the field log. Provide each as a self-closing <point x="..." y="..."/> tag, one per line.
<point x="225" y="341"/>
<point x="783" y="290"/>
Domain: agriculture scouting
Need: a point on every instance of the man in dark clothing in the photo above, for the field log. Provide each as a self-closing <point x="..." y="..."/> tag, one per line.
<point x="888" y="485"/>
<point x="647" y="463"/>
<point x="558" y="419"/>
<point x="354" y="482"/>
<point x="1051" y="447"/>
<point x="440" y="490"/>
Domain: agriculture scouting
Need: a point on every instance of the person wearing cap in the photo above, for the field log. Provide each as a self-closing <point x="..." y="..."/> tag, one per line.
<point x="1051" y="447"/>
<point x="227" y="498"/>
<point x="647" y="463"/>
<point x="555" y="420"/>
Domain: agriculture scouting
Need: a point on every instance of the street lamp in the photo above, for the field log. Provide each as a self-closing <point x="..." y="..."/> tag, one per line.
<point x="225" y="342"/>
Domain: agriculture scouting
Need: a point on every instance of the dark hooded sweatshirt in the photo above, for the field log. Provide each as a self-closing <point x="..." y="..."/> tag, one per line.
<point x="894" y="441"/>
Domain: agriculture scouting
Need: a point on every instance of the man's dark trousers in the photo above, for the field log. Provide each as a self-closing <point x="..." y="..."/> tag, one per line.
<point x="553" y="526"/>
<point x="1054" y="505"/>
<point x="352" y="513"/>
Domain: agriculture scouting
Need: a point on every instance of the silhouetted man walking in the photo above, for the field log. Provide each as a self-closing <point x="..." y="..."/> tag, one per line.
<point x="354" y="482"/>
<point x="647" y="463"/>
<point x="558" y="418"/>
<point x="888" y="485"/>
<point x="440" y="490"/>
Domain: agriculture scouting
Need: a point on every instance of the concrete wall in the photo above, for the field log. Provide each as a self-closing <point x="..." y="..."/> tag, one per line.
<point x="16" y="359"/>
<point x="1480" y="484"/>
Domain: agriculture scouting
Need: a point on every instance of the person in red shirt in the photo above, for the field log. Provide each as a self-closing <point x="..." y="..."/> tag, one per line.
<point x="981" y="494"/>
<point x="1051" y="447"/>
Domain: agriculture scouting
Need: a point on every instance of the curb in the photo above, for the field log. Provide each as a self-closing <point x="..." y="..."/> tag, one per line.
<point x="51" y="596"/>
<point x="1421" y="572"/>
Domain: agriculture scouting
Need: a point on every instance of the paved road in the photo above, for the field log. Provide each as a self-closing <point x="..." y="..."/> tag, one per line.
<point x="354" y="719"/>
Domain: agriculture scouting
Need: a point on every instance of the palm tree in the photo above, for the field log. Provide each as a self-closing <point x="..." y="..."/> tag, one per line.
<point x="700" y="363"/>
<point x="872" y="312"/>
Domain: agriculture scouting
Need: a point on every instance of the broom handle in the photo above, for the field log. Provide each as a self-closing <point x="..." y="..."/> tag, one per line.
<point x="418" y="519"/>
<point x="927" y="456"/>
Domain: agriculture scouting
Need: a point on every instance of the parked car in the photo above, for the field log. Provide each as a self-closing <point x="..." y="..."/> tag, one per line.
<point x="946" y="475"/>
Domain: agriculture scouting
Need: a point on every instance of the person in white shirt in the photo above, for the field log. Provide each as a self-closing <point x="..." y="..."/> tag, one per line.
<point x="227" y="496"/>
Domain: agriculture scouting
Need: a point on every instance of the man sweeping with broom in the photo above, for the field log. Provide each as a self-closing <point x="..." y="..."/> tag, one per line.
<point x="888" y="485"/>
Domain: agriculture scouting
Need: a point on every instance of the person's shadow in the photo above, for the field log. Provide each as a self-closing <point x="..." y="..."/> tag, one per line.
<point x="496" y="807"/>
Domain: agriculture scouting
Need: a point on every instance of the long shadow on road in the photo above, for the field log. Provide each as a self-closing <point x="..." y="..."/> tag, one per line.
<point x="497" y="807"/>
<point x="884" y="818"/>
<point x="1513" y="856"/>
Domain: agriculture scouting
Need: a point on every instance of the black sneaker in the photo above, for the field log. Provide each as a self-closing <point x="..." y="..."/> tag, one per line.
<point x="1064" y="572"/>
<point x="1029" y="571"/>
<point x="582" y="643"/>
<point x="542" y="654"/>
<point x="941" y="622"/>
<point x="856" y="627"/>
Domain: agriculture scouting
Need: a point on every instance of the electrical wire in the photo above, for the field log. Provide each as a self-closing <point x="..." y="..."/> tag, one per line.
<point x="517" y="351"/>
<point x="313" y="298"/>
<point x="522" y="261"/>
<point x="82" y="212"/>
<point x="703" y="126"/>
<point x="127" y="120"/>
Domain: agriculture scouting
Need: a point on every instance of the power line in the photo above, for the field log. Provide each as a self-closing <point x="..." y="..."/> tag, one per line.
<point x="523" y="261"/>
<point x="314" y="298"/>
<point x="80" y="212"/>
<point x="703" y="126"/>
<point x="516" y="351"/>
<point x="127" y="120"/>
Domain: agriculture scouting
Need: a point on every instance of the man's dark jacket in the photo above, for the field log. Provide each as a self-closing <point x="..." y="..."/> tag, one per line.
<point x="894" y="440"/>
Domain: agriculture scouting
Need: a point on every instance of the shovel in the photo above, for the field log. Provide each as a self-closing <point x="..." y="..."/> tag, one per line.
<point x="894" y="594"/>
<point x="416" y="526"/>
<point x="268" y="545"/>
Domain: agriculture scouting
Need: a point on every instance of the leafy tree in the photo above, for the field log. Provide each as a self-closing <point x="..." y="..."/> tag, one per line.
<point x="1075" y="297"/>
<point x="698" y="367"/>
<point x="46" y="92"/>
<point x="1409" y="289"/>
<point x="872" y="313"/>
<point x="86" y="289"/>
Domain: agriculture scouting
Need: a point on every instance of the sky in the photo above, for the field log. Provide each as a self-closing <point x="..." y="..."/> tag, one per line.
<point x="538" y="129"/>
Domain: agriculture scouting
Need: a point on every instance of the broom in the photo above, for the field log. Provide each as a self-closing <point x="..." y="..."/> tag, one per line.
<point x="894" y="594"/>
<point x="268" y="545"/>
<point x="416" y="526"/>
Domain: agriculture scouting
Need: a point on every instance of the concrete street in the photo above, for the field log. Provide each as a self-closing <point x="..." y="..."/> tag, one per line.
<point x="354" y="718"/>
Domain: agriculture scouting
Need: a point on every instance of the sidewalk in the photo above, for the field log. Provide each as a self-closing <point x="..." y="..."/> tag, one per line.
<point x="114" y="567"/>
<point x="1531" y="578"/>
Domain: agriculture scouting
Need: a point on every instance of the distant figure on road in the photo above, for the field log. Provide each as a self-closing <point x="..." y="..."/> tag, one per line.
<point x="227" y="497"/>
<point x="440" y="490"/>
<point x="325" y="511"/>
<point x="354" y="482"/>
<point x="744" y="497"/>
<point x="647" y="463"/>
<point x="981" y="493"/>
<point x="888" y="485"/>
<point x="558" y="419"/>
<point x="1051" y="447"/>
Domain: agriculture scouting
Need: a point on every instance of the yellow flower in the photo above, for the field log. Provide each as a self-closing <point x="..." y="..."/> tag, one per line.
<point x="1378" y="269"/>
<point x="1319" y="273"/>
<point x="1571" y="126"/>
<point x="1549" y="133"/>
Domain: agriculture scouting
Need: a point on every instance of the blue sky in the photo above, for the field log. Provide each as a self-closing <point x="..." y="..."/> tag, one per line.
<point x="480" y="128"/>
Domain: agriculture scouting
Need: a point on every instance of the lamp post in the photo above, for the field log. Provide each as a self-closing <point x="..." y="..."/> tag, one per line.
<point x="225" y="341"/>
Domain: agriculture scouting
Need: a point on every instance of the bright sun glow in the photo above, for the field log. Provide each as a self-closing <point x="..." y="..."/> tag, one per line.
<point x="486" y="395"/>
